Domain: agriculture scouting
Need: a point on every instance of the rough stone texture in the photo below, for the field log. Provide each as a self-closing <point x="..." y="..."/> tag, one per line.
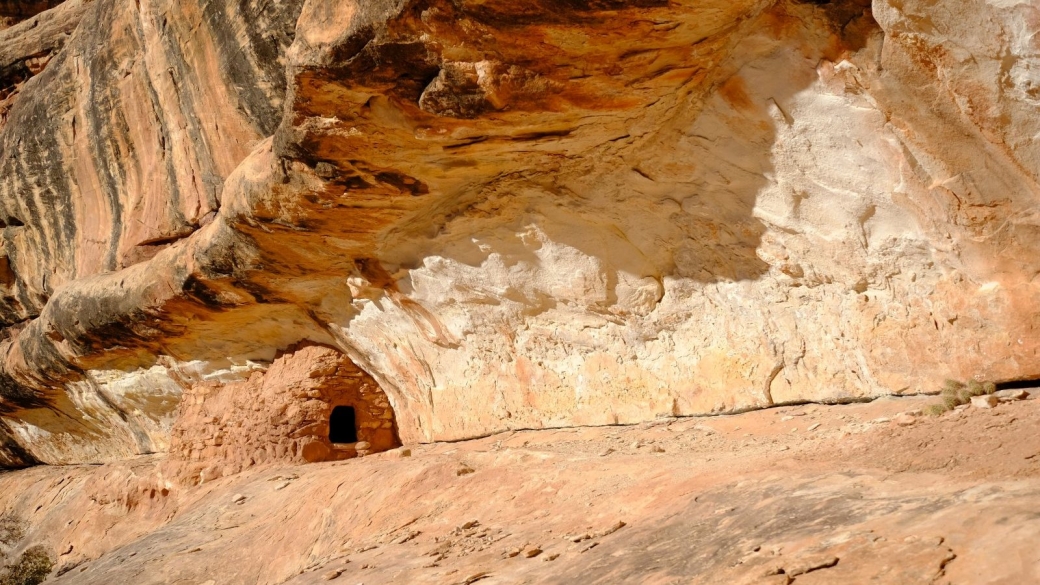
<point x="14" y="11"/>
<point x="26" y="49"/>
<point x="517" y="215"/>
<point x="118" y="148"/>
<point x="732" y="500"/>
<point x="22" y="9"/>
<point x="277" y="416"/>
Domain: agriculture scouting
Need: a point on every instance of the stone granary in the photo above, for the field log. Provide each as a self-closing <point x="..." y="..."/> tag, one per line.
<point x="312" y="404"/>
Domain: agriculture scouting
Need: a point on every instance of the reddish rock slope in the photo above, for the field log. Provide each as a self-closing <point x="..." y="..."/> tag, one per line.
<point x="752" y="499"/>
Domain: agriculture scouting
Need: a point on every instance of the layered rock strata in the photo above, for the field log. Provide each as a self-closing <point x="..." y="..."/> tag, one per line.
<point x="517" y="215"/>
<point x="26" y="49"/>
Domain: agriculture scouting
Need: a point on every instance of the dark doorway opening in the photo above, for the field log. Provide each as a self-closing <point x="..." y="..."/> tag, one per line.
<point x="342" y="425"/>
<point x="1019" y="385"/>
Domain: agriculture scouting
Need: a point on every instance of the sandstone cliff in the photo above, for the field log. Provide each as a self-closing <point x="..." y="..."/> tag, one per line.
<point x="511" y="215"/>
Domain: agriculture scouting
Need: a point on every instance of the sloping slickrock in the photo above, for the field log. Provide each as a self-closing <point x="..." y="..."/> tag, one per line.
<point x="952" y="499"/>
<point x="519" y="215"/>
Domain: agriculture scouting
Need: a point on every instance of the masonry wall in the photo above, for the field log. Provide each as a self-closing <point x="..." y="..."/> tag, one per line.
<point x="280" y="415"/>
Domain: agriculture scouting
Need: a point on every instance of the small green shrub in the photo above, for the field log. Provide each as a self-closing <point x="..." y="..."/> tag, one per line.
<point x="12" y="530"/>
<point x="31" y="568"/>
<point x="936" y="409"/>
<point x="956" y="393"/>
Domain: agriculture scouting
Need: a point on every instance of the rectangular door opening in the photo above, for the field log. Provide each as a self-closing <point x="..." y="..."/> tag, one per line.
<point x="342" y="425"/>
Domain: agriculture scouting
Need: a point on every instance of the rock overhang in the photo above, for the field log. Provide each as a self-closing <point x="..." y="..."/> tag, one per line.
<point x="589" y="213"/>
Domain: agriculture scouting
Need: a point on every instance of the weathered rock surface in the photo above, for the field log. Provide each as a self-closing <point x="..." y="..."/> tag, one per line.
<point x="517" y="215"/>
<point x="950" y="500"/>
<point x="15" y="11"/>
<point x="27" y="48"/>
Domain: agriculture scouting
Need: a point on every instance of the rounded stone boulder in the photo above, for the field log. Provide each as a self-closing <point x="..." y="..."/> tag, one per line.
<point x="315" y="451"/>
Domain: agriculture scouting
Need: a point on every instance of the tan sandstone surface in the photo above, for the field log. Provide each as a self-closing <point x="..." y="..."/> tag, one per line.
<point x="510" y="215"/>
<point x="803" y="494"/>
<point x="487" y="291"/>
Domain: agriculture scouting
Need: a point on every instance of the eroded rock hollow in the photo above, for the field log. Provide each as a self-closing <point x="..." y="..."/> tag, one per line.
<point x="505" y="215"/>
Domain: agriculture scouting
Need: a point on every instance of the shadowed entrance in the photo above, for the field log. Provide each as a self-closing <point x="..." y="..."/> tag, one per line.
<point x="343" y="425"/>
